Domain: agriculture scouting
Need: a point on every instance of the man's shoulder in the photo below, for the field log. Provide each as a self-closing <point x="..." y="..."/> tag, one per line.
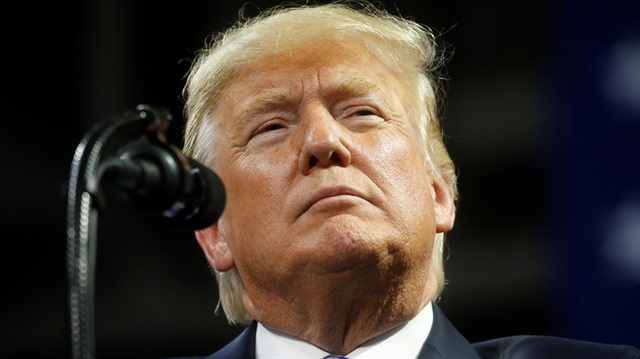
<point x="533" y="346"/>
<point x="242" y="347"/>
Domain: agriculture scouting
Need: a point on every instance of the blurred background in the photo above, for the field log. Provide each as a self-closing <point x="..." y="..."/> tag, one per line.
<point x="542" y="119"/>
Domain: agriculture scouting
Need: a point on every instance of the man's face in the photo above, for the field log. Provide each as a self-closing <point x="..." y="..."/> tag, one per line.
<point x="322" y="170"/>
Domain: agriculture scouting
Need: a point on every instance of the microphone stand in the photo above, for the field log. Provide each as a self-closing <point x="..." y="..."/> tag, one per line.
<point x="82" y="212"/>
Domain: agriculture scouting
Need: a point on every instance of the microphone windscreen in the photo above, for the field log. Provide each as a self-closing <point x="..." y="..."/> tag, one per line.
<point x="213" y="197"/>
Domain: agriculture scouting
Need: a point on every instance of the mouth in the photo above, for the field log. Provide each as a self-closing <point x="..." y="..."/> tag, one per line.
<point x="326" y="194"/>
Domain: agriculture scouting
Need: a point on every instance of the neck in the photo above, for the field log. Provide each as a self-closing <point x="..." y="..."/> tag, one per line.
<point x="342" y="314"/>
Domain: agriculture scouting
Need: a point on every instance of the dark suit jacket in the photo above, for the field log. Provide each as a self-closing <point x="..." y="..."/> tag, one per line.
<point x="445" y="342"/>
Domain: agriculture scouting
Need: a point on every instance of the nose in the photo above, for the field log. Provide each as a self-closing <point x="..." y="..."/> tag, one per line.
<point x="323" y="142"/>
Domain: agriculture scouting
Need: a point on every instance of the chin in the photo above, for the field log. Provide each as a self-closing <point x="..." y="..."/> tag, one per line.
<point x="346" y="243"/>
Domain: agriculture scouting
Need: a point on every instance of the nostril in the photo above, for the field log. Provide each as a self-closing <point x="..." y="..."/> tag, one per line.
<point x="313" y="161"/>
<point x="335" y="158"/>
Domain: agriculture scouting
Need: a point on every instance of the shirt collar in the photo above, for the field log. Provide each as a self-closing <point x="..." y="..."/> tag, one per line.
<point x="403" y="342"/>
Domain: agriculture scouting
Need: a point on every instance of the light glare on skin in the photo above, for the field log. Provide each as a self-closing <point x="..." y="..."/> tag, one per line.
<point x="325" y="186"/>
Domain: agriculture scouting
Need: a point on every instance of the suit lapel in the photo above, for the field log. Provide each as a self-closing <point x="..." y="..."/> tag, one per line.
<point x="444" y="340"/>
<point x="242" y="347"/>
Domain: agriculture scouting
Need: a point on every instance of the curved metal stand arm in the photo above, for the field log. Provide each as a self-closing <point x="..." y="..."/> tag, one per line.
<point x="82" y="215"/>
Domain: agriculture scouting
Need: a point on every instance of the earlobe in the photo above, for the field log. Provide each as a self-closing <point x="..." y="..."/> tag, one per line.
<point x="444" y="206"/>
<point x="215" y="247"/>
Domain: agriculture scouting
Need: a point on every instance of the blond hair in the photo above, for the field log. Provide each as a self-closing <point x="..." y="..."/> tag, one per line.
<point x="405" y="46"/>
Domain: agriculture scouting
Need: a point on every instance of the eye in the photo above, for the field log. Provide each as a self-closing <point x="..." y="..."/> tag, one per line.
<point x="267" y="127"/>
<point x="365" y="112"/>
<point x="270" y="127"/>
<point x="361" y="111"/>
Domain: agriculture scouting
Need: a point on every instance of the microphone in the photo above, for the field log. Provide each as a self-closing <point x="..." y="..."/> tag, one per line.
<point x="128" y="160"/>
<point x="157" y="181"/>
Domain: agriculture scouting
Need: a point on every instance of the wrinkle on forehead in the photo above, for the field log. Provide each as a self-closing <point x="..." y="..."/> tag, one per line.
<point x="339" y="81"/>
<point x="280" y="81"/>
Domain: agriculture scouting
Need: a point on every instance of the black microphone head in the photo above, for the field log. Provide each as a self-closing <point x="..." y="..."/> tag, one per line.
<point x="152" y="178"/>
<point x="212" y="200"/>
<point x="158" y="182"/>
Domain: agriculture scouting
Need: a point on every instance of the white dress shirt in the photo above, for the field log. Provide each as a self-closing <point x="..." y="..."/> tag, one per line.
<point x="403" y="342"/>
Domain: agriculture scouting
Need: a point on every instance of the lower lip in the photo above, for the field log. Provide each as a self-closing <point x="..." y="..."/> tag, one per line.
<point x="335" y="202"/>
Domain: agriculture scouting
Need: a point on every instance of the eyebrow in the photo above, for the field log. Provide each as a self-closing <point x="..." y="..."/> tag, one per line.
<point x="352" y="87"/>
<point x="341" y="88"/>
<point x="267" y="100"/>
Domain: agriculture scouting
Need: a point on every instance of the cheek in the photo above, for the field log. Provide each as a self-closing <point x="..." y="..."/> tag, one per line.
<point x="255" y="187"/>
<point x="399" y="164"/>
<point x="400" y="173"/>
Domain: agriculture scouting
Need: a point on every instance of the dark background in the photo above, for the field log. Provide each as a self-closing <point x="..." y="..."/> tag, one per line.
<point x="543" y="121"/>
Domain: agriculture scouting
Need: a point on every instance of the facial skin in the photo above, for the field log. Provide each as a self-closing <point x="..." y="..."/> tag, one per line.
<point x="331" y="212"/>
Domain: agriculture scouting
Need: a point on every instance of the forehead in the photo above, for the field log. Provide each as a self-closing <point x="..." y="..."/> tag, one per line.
<point x="330" y="66"/>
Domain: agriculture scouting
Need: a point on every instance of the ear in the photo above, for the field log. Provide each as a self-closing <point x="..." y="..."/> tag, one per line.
<point x="444" y="206"/>
<point x="215" y="247"/>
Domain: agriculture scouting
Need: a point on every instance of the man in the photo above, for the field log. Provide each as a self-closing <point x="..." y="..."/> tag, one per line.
<point x="322" y="121"/>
